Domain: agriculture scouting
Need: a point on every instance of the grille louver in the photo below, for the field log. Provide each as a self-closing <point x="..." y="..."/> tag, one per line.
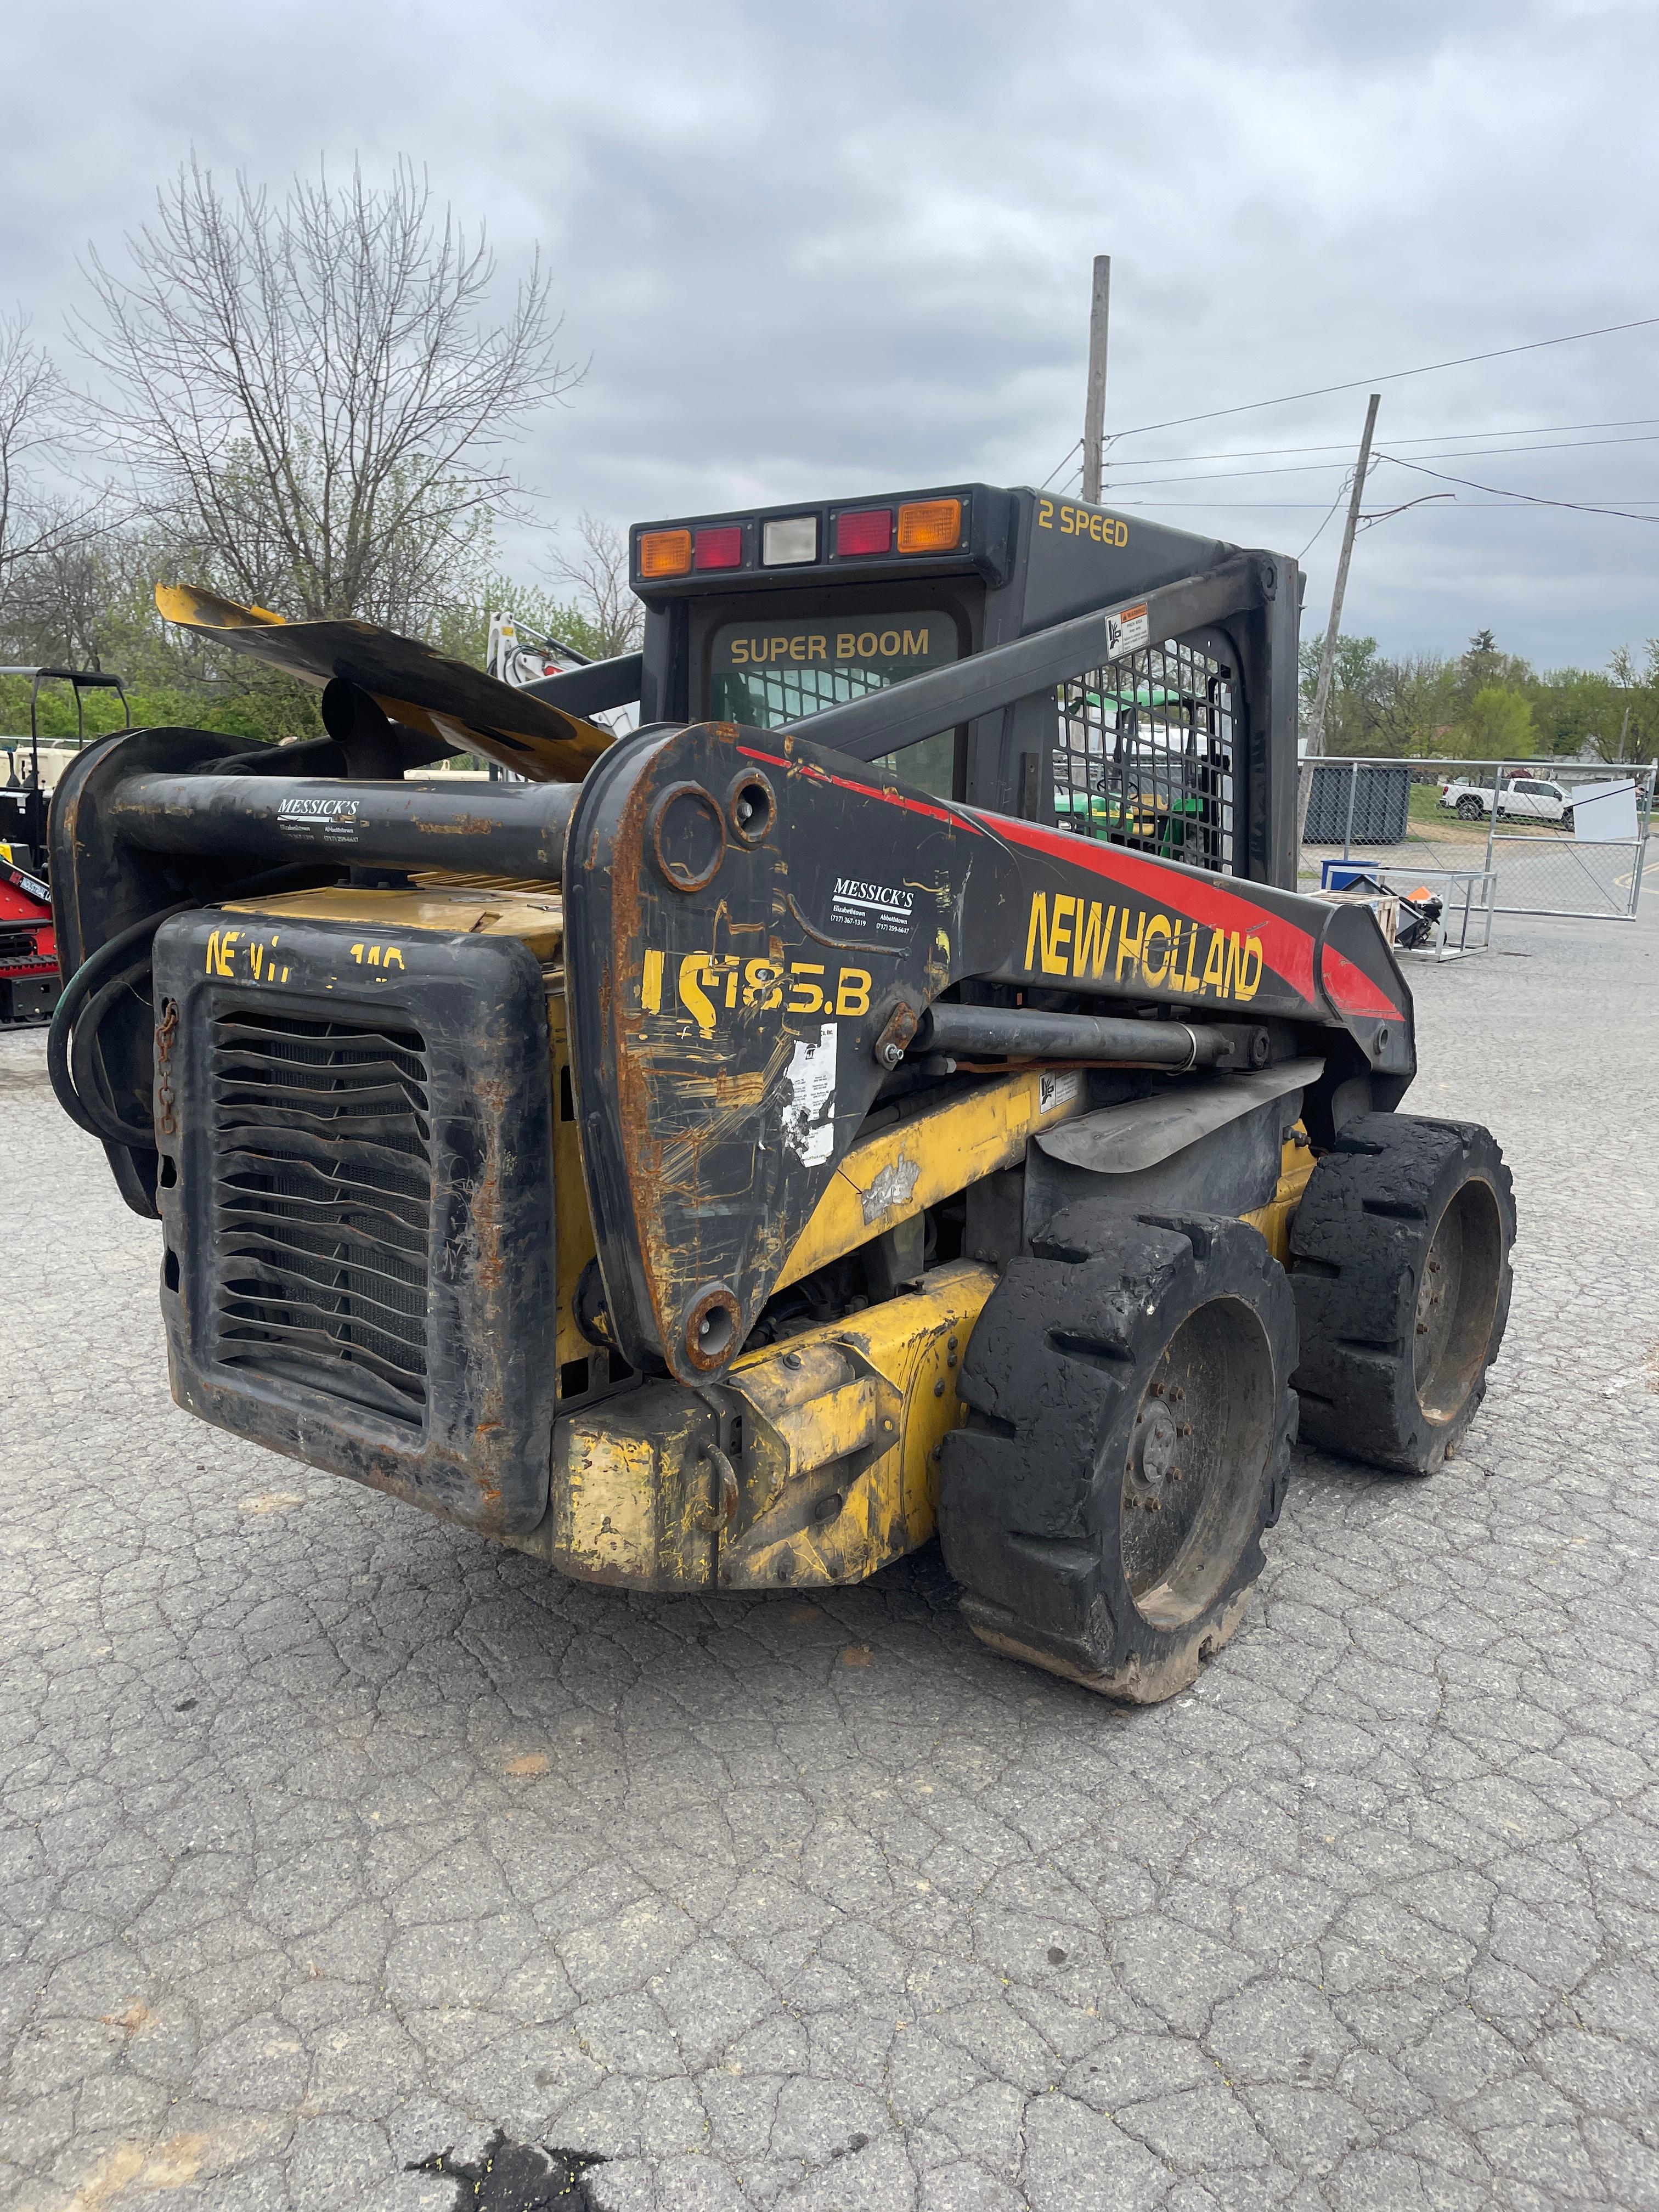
<point x="322" y="1206"/>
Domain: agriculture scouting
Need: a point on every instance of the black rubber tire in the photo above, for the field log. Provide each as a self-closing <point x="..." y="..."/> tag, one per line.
<point x="1470" y="809"/>
<point x="1069" y="1371"/>
<point x="1566" y="821"/>
<point x="1394" y="1367"/>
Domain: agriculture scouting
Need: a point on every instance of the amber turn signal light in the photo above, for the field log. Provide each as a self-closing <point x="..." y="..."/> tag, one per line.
<point x="929" y="526"/>
<point x="665" y="552"/>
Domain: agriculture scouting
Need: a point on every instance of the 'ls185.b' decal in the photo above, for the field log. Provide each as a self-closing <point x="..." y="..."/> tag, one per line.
<point x="703" y="985"/>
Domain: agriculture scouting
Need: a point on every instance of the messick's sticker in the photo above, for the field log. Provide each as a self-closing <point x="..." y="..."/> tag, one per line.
<point x="336" y="818"/>
<point x="1128" y="630"/>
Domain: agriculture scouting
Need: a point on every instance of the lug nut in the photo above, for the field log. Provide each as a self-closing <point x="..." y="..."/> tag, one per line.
<point x="1155" y="1389"/>
<point x="1172" y="1474"/>
<point x="938" y="1388"/>
<point x="1177" y="1393"/>
<point x="1183" y="1428"/>
<point x="1422" y="1329"/>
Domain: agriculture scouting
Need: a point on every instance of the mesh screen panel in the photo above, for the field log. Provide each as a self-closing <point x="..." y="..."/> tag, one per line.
<point x="1144" y="757"/>
<point x="322" y="1206"/>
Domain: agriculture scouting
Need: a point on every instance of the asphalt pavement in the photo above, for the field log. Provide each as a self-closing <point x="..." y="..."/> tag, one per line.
<point x="341" y="1854"/>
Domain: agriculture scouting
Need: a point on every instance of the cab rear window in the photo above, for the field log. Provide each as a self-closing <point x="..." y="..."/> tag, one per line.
<point x="768" y="674"/>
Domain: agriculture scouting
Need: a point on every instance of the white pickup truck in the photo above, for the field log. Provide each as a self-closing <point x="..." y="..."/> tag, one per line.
<point x="1521" y="799"/>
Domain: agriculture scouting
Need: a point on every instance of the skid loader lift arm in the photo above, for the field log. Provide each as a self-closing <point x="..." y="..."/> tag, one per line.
<point x="755" y="929"/>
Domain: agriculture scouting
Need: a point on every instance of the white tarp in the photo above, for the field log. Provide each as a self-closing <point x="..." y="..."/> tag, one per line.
<point x="1605" y="813"/>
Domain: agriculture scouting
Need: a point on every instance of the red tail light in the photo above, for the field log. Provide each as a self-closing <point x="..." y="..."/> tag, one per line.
<point x="721" y="548"/>
<point x="869" y="531"/>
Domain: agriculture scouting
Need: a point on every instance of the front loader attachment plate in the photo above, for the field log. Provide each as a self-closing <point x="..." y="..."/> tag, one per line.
<point x="753" y="922"/>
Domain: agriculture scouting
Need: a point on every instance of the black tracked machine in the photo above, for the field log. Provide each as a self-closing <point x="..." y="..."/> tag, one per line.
<point x="896" y="1088"/>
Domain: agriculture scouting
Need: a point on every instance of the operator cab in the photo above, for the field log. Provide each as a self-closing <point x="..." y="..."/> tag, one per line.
<point x="768" y="615"/>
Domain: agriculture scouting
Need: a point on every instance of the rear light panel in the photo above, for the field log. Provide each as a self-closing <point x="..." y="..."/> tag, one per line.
<point x="665" y="552"/>
<point x="930" y="525"/>
<point x="788" y="540"/>
<point x="897" y="530"/>
<point x="864" y="531"/>
<point x="719" y="546"/>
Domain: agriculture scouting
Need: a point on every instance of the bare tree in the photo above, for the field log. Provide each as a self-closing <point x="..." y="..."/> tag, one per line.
<point x="310" y="393"/>
<point x="40" y="521"/>
<point x="603" y="595"/>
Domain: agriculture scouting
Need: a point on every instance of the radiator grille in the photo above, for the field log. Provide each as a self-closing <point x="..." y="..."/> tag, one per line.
<point x="1144" y="757"/>
<point x="322" y="1206"/>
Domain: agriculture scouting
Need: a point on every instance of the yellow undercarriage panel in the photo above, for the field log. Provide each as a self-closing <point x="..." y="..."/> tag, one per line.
<point x="1274" y="1218"/>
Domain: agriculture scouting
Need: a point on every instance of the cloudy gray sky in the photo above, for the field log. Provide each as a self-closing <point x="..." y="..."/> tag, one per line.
<point x="825" y="249"/>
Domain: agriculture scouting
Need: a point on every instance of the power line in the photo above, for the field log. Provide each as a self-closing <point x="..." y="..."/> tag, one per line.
<point x="1531" y="499"/>
<point x="1309" y="468"/>
<point x="1420" y="438"/>
<point x="1392" y="375"/>
<point x="1329" y="512"/>
<point x="1313" y="505"/>
<point x="1058" y="466"/>
<point x="1389" y="376"/>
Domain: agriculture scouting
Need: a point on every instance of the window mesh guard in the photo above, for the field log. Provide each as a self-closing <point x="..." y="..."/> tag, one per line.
<point x="1144" y="757"/>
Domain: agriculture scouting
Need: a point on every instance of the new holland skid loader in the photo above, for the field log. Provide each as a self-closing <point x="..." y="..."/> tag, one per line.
<point x="895" y="1088"/>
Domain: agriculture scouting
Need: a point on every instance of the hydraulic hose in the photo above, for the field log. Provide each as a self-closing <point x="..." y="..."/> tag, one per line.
<point x="73" y="1060"/>
<point x="87" y="1073"/>
<point x="108" y="972"/>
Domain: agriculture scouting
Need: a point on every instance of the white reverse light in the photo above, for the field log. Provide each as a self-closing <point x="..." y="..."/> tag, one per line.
<point x="795" y="538"/>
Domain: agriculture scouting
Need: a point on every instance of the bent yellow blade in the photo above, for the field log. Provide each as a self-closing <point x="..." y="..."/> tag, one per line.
<point x="425" y="690"/>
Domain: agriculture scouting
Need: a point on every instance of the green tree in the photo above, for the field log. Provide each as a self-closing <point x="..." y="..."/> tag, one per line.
<point x="1485" y="667"/>
<point x="1497" y="724"/>
<point x="1634" y="734"/>
<point x="1574" y="708"/>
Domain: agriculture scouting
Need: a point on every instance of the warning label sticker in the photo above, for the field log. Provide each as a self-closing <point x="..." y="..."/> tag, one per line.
<point x="1128" y="630"/>
<point x="809" y="1120"/>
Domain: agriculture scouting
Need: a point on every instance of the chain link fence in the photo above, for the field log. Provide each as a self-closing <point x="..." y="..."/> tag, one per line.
<point x="1562" y="837"/>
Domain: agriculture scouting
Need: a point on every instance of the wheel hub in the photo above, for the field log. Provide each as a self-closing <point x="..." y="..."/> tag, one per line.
<point x="1154" y="1450"/>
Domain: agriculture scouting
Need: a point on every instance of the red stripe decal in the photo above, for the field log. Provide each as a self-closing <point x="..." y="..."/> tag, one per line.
<point x="818" y="775"/>
<point x="1350" y="989"/>
<point x="1287" y="950"/>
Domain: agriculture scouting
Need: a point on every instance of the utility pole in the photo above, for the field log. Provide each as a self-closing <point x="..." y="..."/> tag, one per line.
<point x="1315" y="741"/>
<point x="1094" y="408"/>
